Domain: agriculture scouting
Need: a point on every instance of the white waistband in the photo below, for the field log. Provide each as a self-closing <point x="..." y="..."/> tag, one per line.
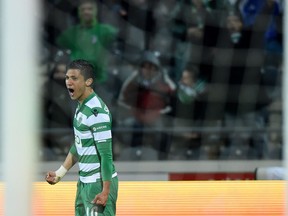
<point x="93" y="178"/>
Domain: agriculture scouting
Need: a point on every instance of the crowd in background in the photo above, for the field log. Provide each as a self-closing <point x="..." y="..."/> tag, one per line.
<point x="184" y="79"/>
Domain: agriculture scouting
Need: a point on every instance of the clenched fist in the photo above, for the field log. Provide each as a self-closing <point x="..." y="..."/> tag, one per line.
<point x="51" y="178"/>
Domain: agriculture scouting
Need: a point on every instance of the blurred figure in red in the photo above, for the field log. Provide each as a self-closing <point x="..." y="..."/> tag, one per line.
<point x="146" y="94"/>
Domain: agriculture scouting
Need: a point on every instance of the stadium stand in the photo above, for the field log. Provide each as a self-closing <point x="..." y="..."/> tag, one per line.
<point x="236" y="47"/>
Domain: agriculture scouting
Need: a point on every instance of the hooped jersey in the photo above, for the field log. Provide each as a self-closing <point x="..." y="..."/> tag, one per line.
<point x="92" y="130"/>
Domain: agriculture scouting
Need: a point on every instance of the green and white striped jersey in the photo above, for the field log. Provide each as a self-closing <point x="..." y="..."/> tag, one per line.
<point x="93" y="140"/>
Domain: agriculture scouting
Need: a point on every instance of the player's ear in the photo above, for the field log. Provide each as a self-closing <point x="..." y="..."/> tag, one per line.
<point x="89" y="82"/>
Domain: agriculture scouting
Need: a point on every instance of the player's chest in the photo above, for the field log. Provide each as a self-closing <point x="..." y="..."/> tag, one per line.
<point x="80" y="121"/>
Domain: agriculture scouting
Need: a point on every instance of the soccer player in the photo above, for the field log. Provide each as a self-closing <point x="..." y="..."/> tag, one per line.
<point x="97" y="186"/>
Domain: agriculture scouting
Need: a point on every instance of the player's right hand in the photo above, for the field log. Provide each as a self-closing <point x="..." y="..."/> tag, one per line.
<point x="51" y="178"/>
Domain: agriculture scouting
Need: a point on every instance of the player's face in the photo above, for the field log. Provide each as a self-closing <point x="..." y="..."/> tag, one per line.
<point x="76" y="85"/>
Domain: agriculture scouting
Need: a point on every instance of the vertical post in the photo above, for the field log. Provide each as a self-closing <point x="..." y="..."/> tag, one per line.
<point x="19" y="105"/>
<point x="285" y="98"/>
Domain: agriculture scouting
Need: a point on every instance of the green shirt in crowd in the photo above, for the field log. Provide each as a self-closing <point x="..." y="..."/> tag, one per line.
<point x="91" y="44"/>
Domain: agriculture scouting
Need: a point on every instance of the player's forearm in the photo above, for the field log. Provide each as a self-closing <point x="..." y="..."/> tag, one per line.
<point x="63" y="169"/>
<point x="105" y="151"/>
<point x="69" y="161"/>
<point x="106" y="187"/>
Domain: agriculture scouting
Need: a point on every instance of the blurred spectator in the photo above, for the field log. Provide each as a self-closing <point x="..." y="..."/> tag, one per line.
<point x="57" y="109"/>
<point x="188" y="19"/>
<point x="89" y="40"/>
<point x="188" y="111"/>
<point x="146" y="94"/>
<point x="238" y="59"/>
<point x="270" y="12"/>
<point x="189" y="94"/>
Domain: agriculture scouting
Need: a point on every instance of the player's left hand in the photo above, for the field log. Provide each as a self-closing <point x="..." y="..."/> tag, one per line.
<point x="101" y="199"/>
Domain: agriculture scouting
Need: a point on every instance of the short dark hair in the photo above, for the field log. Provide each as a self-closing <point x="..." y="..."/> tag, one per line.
<point x="85" y="68"/>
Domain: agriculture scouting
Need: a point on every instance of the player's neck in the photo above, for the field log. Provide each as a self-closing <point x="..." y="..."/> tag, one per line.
<point x="85" y="95"/>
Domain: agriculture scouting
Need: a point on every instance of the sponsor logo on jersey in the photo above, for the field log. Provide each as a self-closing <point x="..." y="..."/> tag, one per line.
<point x="101" y="127"/>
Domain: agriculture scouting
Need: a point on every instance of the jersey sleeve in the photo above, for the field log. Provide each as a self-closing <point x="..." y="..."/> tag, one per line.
<point x="102" y="135"/>
<point x="105" y="151"/>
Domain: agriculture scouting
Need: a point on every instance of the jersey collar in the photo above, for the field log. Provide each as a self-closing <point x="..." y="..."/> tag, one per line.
<point x="86" y="100"/>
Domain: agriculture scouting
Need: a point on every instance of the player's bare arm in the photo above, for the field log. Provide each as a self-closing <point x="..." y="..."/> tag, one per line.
<point x="53" y="177"/>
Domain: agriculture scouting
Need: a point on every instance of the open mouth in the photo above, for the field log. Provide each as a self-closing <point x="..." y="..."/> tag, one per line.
<point x="71" y="91"/>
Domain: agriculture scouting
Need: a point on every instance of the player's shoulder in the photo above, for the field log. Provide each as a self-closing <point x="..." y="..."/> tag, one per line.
<point x="96" y="105"/>
<point x="94" y="102"/>
<point x="98" y="114"/>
